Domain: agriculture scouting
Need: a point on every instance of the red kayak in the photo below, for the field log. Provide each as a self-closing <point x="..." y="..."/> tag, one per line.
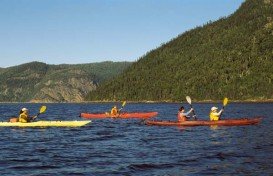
<point x="124" y="115"/>
<point x="230" y="122"/>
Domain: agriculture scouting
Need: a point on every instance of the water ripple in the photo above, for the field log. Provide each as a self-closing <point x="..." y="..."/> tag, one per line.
<point x="128" y="147"/>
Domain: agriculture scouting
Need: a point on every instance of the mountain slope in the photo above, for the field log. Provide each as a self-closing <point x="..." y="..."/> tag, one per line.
<point x="230" y="57"/>
<point x="39" y="82"/>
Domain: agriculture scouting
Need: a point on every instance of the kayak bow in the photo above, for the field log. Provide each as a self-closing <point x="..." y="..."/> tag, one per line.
<point x="230" y="122"/>
<point x="46" y="124"/>
<point x="124" y="115"/>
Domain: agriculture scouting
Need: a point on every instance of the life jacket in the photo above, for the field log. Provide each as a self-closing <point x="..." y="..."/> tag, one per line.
<point x="181" y="118"/>
<point x="23" y="118"/>
<point x="213" y="117"/>
<point x="114" y="111"/>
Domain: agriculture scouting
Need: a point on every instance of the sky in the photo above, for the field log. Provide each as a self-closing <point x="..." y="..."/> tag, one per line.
<point x="86" y="31"/>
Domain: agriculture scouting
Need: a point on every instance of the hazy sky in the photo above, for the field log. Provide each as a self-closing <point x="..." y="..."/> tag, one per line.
<point x="83" y="31"/>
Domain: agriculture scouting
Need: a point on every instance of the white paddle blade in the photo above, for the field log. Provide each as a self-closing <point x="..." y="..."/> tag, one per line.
<point x="188" y="98"/>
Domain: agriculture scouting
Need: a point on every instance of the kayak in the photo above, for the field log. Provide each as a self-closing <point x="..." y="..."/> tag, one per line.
<point x="124" y="115"/>
<point x="46" y="124"/>
<point x="229" y="122"/>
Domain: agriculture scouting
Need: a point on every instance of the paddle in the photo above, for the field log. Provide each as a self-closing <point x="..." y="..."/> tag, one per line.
<point x="225" y="102"/>
<point x="42" y="110"/>
<point x="122" y="106"/>
<point x="188" y="98"/>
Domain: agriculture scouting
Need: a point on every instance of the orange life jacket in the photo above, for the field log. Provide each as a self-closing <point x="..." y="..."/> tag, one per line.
<point x="181" y="118"/>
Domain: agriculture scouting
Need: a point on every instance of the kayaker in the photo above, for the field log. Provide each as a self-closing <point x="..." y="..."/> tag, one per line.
<point x="214" y="115"/>
<point x="114" y="111"/>
<point x="182" y="116"/>
<point x="24" y="116"/>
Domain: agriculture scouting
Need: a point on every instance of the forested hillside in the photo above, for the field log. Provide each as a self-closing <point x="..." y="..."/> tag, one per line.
<point x="231" y="57"/>
<point x="40" y="82"/>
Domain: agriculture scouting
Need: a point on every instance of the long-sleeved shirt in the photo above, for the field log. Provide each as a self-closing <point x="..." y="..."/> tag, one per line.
<point x="182" y="116"/>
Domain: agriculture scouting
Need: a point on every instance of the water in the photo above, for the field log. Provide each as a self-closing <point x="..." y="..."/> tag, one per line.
<point x="128" y="147"/>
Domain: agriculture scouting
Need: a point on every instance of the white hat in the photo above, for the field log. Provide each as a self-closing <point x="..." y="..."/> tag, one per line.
<point x="214" y="108"/>
<point x="24" y="109"/>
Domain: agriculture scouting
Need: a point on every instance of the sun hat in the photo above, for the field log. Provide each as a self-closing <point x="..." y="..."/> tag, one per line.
<point x="24" y="109"/>
<point x="214" y="108"/>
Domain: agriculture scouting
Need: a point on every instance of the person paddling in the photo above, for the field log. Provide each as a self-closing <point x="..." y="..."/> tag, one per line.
<point x="24" y="116"/>
<point x="114" y="111"/>
<point x="214" y="115"/>
<point x="182" y="116"/>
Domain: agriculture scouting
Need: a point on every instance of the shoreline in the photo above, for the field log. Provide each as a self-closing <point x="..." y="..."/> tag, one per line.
<point x="147" y="102"/>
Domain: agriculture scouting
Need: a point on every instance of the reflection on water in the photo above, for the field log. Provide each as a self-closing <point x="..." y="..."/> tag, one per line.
<point x="214" y="127"/>
<point x="128" y="147"/>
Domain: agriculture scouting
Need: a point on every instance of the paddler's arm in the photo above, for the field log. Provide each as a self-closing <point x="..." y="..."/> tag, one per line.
<point x="190" y="111"/>
<point x="187" y="113"/>
<point x="32" y="118"/>
<point x="218" y="113"/>
<point x="221" y="111"/>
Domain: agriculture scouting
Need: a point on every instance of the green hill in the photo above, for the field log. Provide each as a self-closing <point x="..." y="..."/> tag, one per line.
<point x="39" y="82"/>
<point x="232" y="57"/>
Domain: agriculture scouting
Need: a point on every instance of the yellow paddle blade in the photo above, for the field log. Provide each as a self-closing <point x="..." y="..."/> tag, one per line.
<point x="225" y="101"/>
<point x="42" y="109"/>
<point x="124" y="103"/>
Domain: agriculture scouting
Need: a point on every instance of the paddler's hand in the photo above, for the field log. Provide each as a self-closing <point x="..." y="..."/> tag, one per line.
<point x="194" y="117"/>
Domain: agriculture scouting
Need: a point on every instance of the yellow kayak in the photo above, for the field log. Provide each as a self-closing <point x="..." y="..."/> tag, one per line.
<point x="46" y="124"/>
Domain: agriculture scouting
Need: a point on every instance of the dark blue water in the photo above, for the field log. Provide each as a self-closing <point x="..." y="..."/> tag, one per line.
<point x="128" y="147"/>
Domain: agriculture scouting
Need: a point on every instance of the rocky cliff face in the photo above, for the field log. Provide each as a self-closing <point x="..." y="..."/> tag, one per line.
<point x="72" y="89"/>
<point x="39" y="82"/>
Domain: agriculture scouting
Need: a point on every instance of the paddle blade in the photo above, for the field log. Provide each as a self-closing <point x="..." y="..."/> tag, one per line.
<point x="225" y="101"/>
<point x="123" y="104"/>
<point x="188" y="98"/>
<point x="42" y="109"/>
